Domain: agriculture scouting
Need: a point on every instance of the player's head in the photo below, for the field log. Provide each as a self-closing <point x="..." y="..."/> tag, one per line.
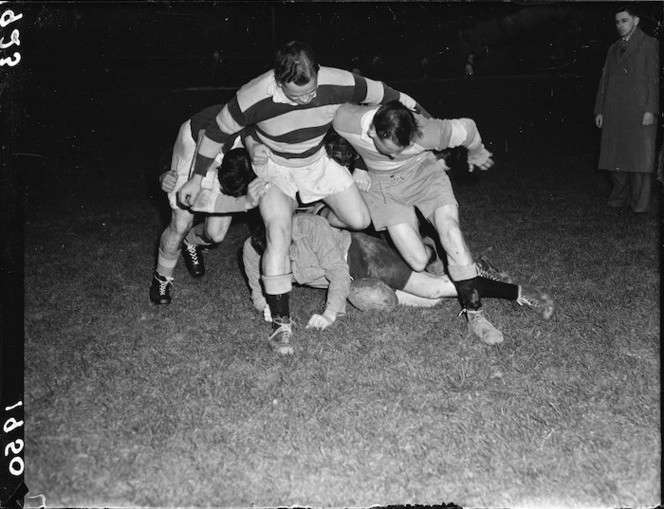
<point x="296" y="72"/>
<point x="339" y="149"/>
<point x="393" y="128"/>
<point x="627" y="19"/>
<point x="258" y="239"/>
<point x="236" y="172"/>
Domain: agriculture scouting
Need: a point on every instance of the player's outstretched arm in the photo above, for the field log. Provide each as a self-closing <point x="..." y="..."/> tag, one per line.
<point x="443" y="134"/>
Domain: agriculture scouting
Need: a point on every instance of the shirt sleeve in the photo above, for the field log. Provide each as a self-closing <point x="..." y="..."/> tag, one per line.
<point x="601" y="88"/>
<point x="252" y="268"/>
<point x="652" y="71"/>
<point x="440" y="134"/>
<point x="449" y="133"/>
<point x="378" y="92"/>
<point x="228" y="122"/>
<point x="211" y="202"/>
<point x="332" y="261"/>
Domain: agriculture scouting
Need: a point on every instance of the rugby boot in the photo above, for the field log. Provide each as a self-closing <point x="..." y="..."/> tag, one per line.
<point x="536" y="300"/>
<point x="486" y="269"/>
<point x="193" y="259"/>
<point x="483" y="328"/>
<point x="160" y="289"/>
<point x="281" y="336"/>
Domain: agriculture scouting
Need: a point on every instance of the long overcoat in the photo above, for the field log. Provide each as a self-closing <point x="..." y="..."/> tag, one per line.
<point x="629" y="87"/>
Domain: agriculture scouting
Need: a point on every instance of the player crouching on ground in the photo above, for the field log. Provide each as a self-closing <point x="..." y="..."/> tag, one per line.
<point x="234" y="188"/>
<point x="366" y="271"/>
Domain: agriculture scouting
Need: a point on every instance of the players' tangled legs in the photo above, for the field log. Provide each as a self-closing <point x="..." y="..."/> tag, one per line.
<point x="275" y="146"/>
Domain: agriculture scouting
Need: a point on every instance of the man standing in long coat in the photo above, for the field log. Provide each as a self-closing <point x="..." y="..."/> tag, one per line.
<point x="626" y="109"/>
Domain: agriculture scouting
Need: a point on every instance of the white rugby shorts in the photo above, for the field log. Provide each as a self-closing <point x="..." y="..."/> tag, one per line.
<point x="322" y="178"/>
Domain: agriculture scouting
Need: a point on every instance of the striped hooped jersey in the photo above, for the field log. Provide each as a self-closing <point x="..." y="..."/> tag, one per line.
<point x="294" y="132"/>
<point x="203" y="118"/>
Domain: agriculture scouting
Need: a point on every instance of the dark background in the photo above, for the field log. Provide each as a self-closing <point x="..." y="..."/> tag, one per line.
<point x="150" y="65"/>
<point x="102" y="88"/>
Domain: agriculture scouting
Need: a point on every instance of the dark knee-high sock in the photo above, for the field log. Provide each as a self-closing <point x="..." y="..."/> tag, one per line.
<point x="468" y="294"/>
<point x="277" y="293"/>
<point x="497" y="289"/>
<point x="279" y="308"/>
<point x="464" y="278"/>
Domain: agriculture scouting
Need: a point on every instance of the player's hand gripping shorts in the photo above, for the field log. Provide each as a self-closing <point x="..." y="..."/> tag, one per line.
<point x="182" y="162"/>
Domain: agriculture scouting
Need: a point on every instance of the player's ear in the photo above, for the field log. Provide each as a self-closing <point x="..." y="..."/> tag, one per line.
<point x="636" y="20"/>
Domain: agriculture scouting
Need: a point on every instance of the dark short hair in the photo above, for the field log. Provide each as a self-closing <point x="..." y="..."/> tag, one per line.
<point x="236" y="172"/>
<point x="629" y="9"/>
<point x="295" y="63"/>
<point x="258" y="239"/>
<point x="395" y="122"/>
<point x="339" y="149"/>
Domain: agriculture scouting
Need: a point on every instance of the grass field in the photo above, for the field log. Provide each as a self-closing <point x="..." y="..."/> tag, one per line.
<point x="129" y="404"/>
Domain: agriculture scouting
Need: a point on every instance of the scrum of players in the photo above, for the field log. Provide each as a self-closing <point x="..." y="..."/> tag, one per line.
<point x="325" y="154"/>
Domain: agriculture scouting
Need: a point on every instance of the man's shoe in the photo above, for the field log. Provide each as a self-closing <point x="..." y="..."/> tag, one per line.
<point x="489" y="271"/>
<point x="537" y="300"/>
<point x="193" y="259"/>
<point x="482" y="328"/>
<point x="280" y="339"/>
<point x="160" y="289"/>
<point x="435" y="267"/>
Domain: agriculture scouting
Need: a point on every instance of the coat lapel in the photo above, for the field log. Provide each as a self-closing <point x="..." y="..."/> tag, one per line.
<point x="632" y="46"/>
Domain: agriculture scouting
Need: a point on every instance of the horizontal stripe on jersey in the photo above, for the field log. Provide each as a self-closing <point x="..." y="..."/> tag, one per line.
<point x="295" y="130"/>
<point x="203" y="118"/>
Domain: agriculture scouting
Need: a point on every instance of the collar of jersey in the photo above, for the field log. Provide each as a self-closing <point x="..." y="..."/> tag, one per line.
<point x="365" y="124"/>
<point x="277" y="93"/>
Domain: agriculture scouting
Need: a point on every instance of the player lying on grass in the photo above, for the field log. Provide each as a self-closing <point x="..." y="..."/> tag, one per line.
<point x="397" y="147"/>
<point x="225" y="192"/>
<point x="322" y="256"/>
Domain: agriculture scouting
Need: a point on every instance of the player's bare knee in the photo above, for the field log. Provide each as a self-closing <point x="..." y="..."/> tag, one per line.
<point x="359" y="219"/>
<point x="418" y="261"/>
<point x="359" y="223"/>
<point x="180" y="228"/>
<point x="418" y="265"/>
<point x="217" y="236"/>
<point x="181" y="222"/>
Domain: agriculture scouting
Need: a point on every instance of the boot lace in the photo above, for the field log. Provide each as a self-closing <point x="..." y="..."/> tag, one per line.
<point x="193" y="252"/>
